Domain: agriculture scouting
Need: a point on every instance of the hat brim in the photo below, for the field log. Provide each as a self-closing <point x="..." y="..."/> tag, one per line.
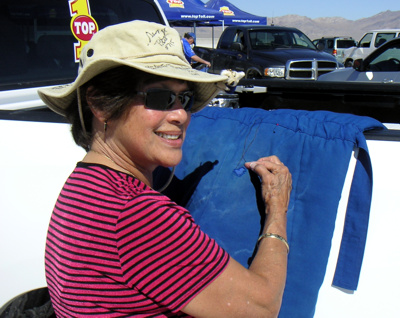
<point x="206" y="86"/>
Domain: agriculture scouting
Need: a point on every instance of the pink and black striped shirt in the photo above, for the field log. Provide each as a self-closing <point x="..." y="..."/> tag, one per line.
<point x="117" y="248"/>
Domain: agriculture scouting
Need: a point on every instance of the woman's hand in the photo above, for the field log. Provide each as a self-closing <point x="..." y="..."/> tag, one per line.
<point x="276" y="182"/>
<point x="257" y="291"/>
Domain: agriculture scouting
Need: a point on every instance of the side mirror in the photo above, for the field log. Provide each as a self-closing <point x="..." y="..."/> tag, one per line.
<point x="320" y="46"/>
<point x="236" y="46"/>
<point x="358" y="65"/>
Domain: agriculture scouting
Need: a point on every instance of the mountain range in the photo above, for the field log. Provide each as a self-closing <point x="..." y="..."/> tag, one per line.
<point x="336" y="26"/>
<point x="323" y="27"/>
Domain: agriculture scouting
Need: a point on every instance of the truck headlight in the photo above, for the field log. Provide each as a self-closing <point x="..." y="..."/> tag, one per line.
<point x="274" y="72"/>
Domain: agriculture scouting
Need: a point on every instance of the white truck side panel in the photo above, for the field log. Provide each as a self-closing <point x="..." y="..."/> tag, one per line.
<point x="378" y="290"/>
<point x="36" y="158"/>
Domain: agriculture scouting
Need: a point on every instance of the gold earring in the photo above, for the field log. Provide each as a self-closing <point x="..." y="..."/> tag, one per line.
<point x="105" y="126"/>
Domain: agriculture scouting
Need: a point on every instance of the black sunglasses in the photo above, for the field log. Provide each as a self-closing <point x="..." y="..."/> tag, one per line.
<point x="164" y="99"/>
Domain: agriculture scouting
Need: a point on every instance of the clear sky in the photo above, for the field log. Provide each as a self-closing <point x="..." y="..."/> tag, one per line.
<point x="351" y="10"/>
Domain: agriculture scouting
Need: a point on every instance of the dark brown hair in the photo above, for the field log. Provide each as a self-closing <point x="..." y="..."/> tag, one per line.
<point x="112" y="92"/>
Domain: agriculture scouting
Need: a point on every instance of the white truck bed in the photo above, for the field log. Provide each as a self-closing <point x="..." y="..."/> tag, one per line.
<point x="36" y="161"/>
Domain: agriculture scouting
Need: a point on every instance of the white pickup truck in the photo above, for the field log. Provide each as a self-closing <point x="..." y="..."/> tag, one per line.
<point x="38" y="153"/>
<point x="368" y="43"/>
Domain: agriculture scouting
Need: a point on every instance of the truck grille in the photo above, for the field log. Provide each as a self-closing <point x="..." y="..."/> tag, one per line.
<point x="308" y="69"/>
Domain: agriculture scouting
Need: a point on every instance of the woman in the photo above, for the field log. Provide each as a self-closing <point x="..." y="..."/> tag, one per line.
<point x="115" y="246"/>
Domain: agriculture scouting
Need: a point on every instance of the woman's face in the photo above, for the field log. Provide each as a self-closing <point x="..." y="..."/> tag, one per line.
<point x="150" y="138"/>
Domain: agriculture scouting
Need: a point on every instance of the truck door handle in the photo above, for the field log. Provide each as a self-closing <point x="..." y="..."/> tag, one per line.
<point x="250" y="89"/>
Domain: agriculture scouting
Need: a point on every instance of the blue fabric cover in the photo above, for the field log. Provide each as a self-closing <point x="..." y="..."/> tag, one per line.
<point x="316" y="147"/>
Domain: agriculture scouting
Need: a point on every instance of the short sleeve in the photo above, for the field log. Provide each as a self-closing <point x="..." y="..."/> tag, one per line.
<point x="187" y="49"/>
<point x="163" y="253"/>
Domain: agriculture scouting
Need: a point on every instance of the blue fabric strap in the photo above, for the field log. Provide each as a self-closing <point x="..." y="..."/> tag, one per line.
<point x="356" y="222"/>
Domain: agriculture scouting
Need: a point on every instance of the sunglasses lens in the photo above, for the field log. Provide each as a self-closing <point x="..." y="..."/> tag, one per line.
<point x="163" y="99"/>
<point x="159" y="99"/>
<point x="186" y="99"/>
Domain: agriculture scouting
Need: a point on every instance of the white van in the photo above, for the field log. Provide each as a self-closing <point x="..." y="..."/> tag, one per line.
<point x="335" y="45"/>
<point x="368" y="43"/>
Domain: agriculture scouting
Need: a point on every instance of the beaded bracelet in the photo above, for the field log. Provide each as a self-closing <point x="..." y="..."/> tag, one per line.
<point x="282" y="239"/>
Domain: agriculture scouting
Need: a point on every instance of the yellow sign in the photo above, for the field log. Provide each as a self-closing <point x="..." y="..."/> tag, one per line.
<point x="83" y="25"/>
<point x="226" y="11"/>
<point x="176" y="4"/>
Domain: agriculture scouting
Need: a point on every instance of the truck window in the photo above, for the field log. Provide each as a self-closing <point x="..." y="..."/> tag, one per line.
<point x="280" y="39"/>
<point x="383" y="37"/>
<point x="267" y="39"/>
<point x="366" y="40"/>
<point x="299" y="39"/>
<point x="345" y="44"/>
<point x="227" y="38"/>
<point x="37" y="45"/>
<point x="239" y="38"/>
<point x="387" y="61"/>
<point x="261" y="39"/>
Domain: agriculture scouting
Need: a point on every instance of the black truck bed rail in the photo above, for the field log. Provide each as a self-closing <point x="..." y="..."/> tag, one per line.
<point x="378" y="100"/>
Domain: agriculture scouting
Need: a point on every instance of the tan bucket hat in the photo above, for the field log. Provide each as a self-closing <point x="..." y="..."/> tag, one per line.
<point x="146" y="46"/>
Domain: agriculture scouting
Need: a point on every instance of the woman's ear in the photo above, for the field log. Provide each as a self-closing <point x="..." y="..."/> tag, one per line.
<point x="99" y="114"/>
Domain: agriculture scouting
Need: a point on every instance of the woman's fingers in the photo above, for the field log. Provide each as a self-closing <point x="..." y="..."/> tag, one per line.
<point x="276" y="180"/>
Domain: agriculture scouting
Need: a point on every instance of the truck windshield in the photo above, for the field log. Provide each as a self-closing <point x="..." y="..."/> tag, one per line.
<point x="387" y="60"/>
<point x="271" y="39"/>
<point x="37" y="44"/>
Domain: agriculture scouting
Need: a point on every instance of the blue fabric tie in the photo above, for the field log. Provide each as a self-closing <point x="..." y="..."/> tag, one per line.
<point x="356" y="222"/>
